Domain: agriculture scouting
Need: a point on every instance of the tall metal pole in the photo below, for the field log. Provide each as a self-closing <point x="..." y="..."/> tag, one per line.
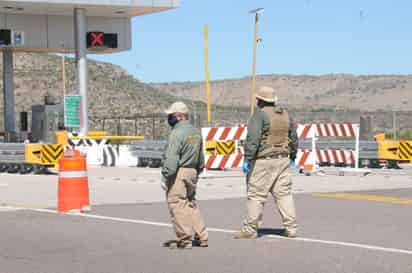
<point x="80" y="27"/>
<point x="206" y="38"/>
<point x="8" y="96"/>
<point x="255" y="43"/>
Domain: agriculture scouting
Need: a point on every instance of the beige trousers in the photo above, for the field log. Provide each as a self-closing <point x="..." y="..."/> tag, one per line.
<point x="184" y="211"/>
<point x="269" y="176"/>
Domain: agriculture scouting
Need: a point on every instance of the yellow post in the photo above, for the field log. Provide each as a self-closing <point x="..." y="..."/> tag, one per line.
<point x="255" y="42"/>
<point x="63" y="73"/>
<point x="209" y="113"/>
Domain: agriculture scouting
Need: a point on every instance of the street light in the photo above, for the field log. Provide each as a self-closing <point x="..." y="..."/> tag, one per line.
<point x="256" y="40"/>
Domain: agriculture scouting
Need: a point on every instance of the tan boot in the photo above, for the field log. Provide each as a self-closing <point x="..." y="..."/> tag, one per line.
<point x="184" y="245"/>
<point x="200" y="243"/>
<point x="172" y="244"/>
<point x="289" y="233"/>
<point x="245" y="235"/>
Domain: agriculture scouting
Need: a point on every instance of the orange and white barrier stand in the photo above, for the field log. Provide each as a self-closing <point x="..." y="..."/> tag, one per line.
<point x="73" y="188"/>
<point x="316" y="156"/>
<point x="231" y="157"/>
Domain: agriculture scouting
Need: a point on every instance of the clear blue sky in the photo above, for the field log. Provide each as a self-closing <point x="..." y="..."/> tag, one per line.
<point x="299" y="37"/>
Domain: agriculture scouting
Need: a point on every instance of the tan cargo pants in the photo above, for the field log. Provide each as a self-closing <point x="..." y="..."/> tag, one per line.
<point x="269" y="176"/>
<point x="184" y="211"/>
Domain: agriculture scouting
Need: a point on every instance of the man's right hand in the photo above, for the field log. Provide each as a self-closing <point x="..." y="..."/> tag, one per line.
<point x="163" y="183"/>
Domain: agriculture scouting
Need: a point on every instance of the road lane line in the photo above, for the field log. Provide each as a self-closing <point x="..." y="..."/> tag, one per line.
<point x="7" y="209"/>
<point x="366" y="197"/>
<point x="230" y="231"/>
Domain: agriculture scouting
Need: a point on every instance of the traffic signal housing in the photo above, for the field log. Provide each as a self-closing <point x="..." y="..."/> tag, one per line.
<point x="101" y="40"/>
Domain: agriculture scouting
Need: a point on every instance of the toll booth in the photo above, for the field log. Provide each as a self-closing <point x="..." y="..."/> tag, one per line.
<point x="65" y="26"/>
<point x="46" y="121"/>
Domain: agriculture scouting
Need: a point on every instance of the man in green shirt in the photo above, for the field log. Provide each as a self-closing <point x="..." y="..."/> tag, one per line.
<point x="182" y="163"/>
<point x="271" y="145"/>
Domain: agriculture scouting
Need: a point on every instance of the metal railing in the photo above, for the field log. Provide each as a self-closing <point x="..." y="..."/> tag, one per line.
<point x="368" y="149"/>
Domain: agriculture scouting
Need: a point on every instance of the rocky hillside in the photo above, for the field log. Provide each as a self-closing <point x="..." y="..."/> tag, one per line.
<point x="112" y="91"/>
<point x="328" y="92"/>
<point x="117" y="100"/>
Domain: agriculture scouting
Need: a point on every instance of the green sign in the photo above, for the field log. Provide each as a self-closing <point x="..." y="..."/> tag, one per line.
<point x="72" y="106"/>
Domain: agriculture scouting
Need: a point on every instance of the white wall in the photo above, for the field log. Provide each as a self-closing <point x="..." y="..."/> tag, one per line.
<point x="48" y="33"/>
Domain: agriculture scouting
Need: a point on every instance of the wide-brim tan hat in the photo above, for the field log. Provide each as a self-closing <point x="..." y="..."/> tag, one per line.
<point x="267" y="94"/>
<point x="177" y="107"/>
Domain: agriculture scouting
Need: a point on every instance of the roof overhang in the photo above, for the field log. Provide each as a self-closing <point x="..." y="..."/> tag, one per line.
<point x="106" y="8"/>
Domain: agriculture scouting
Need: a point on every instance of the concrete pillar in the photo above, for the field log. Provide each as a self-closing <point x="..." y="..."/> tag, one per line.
<point x="8" y="95"/>
<point x="80" y="31"/>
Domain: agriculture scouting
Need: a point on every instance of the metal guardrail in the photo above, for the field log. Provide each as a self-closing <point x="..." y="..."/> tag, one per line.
<point x="148" y="149"/>
<point x="368" y="149"/>
<point x="149" y="144"/>
<point x="12" y="152"/>
<point x="15" y="152"/>
<point x="148" y="154"/>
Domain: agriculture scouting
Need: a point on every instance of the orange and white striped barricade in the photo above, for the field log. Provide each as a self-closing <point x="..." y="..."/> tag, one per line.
<point x="306" y="159"/>
<point x="73" y="187"/>
<point x="333" y="157"/>
<point x="222" y="148"/>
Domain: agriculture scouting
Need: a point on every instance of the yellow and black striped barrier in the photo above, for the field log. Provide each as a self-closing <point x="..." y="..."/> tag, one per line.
<point x="405" y="150"/>
<point x="51" y="154"/>
<point x="388" y="150"/>
<point x="32" y="153"/>
<point x="225" y="148"/>
<point x="214" y="148"/>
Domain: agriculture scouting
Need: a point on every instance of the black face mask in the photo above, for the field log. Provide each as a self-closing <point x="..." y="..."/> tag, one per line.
<point x="172" y="120"/>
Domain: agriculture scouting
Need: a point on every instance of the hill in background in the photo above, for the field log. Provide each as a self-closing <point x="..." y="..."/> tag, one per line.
<point x="117" y="101"/>
<point x="327" y="92"/>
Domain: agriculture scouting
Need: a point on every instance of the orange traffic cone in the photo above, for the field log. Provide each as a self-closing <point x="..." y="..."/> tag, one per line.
<point x="73" y="188"/>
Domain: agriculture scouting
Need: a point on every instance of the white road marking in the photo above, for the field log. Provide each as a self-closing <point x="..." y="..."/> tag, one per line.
<point x="310" y="240"/>
<point x="7" y="208"/>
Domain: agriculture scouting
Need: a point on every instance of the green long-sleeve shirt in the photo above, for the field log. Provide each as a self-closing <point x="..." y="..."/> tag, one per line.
<point x="184" y="149"/>
<point x="259" y="122"/>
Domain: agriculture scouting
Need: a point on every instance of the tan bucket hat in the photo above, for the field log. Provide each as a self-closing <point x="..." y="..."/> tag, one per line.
<point x="267" y="94"/>
<point x="177" y="107"/>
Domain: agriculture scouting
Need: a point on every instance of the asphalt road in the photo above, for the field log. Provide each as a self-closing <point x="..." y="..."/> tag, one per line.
<point x="335" y="235"/>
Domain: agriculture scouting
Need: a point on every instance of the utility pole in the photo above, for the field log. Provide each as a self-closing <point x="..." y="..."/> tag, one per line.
<point x="206" y="40"/>
<point x="395" y="136"/>
<point x="256" y="40"/>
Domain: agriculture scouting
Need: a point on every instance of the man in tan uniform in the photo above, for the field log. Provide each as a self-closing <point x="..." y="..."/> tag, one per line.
<point x="270" y="146"/>
<point x="182" y="163"/>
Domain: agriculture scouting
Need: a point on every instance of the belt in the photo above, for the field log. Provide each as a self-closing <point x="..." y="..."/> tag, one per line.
<point x="275" y="156"/>
<point x="189" y="168"/>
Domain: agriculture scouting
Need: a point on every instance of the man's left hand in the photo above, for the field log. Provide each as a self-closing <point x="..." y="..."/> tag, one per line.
<point x="246" y="167"/>
<point x="292" y="164"/>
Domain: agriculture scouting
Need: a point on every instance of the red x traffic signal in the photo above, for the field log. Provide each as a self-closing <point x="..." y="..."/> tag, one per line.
<point x="95" y="39"/>
<point x="100" y="40"/>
